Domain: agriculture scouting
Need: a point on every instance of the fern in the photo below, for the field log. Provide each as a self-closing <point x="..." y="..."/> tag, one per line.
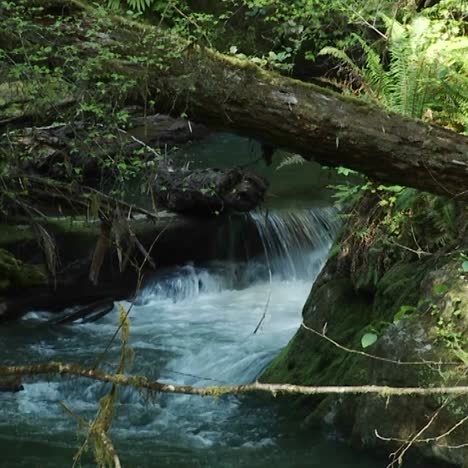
<point x="427" y="73"/>
<point x="294" y="159"/>
<point x="113" y="4"/>
<point x="138" y="6"/>
<point x="425" y="218"/>
<point x="343" y="56"/>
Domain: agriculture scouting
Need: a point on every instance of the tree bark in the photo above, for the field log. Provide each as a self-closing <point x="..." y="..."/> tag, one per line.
<point x="228" y="93"/>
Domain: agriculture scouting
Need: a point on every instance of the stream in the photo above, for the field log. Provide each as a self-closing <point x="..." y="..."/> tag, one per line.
<point x="190" y="324"/>
<point x="194" y="325"/>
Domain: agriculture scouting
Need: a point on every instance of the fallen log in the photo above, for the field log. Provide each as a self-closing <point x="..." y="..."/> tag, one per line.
<point x="334" y="130"/>
<point x="84" y="314"/>
<point x="319" y="124"/>
<point x="225" y="92"/>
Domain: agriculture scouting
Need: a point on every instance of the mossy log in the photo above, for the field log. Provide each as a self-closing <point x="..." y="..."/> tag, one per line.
<point x="225" y="92"/>
<point x="317" y="123"/>
<point x="228" y="93"/>
<point x="15" y="273"/>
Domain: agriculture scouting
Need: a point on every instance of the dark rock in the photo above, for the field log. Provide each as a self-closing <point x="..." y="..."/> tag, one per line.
<point x="160" y="130"/>
<point x="208" y="191"/>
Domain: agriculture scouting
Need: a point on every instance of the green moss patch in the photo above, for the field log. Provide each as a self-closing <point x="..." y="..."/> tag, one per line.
<point x="16" y="274"/>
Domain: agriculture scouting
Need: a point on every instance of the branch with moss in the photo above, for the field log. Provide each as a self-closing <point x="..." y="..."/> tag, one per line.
<point x="144" y="383"/>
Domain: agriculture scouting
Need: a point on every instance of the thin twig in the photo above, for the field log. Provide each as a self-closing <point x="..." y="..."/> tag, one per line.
<point x="400" y="453"/>
<point x="377" y="358"/>
<point x="265" y="310"/>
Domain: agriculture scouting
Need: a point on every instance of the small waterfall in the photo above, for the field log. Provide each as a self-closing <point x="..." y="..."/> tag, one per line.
<point x="188" y="282"/>
<point x="295" y="242"/>
<point x="178" y="284"/>
<point x="294" y="245"/>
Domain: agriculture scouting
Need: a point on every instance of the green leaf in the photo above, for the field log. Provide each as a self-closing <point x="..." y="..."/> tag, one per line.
<point x="344" y="171"/>
<point x="403" y="312"/>
<point x="465" y="266"/>
<point x="368" y="339"/>
<point x="462" y="355"/>
<point x="440" y="289"/>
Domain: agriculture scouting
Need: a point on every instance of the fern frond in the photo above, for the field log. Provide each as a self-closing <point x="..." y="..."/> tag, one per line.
<point x="343" y="56"/>
<point x="374" y="72"/>
<point x="294" y="159"/>
<point x="113" y="4"/>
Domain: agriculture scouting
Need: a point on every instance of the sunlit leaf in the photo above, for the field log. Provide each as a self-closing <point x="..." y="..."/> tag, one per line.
<point x="368" y="339"/>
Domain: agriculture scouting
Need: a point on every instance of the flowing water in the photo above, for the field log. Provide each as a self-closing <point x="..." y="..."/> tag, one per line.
<point x="192" y="324"/>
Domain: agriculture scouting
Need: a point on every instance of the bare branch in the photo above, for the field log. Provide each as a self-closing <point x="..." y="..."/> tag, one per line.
<point x="143" y="382"/>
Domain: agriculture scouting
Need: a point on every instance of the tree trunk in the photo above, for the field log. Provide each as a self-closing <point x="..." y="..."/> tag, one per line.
<point x="227" y="93"/>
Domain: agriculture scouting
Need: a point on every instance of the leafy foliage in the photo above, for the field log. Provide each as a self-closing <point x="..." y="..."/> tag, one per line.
<point x="290" y="160"/>
<point x="78" y="89"/>
<point x="271" y="33"/>
<point x="423" y="73"/>
<point x="426" y="75"/>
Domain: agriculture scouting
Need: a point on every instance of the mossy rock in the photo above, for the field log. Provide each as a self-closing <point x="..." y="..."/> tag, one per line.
<point x="435" y="291"/>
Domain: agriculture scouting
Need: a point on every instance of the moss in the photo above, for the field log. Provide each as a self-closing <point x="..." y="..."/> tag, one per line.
<point x="310" y="360"/>
<point x="399" y="286"/>
<point x="16" y="274"/>
<point x="11" y="234"/>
